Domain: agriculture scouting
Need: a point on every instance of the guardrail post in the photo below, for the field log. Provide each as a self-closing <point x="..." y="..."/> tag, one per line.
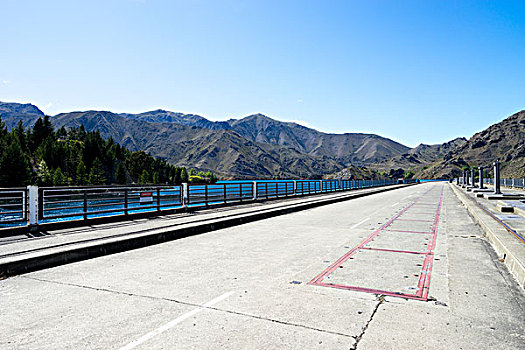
<point x="473" y="177"/>
<point x="85" y="205"/>
<point x="33" y="205"/>
<point x="254" y="190"/>
<point x="320" y="185"/>
<point x="126" y="201"/>
<point x="480" y="177"/>
<point x="184" y="194"/>
<point x="240" y="191"/>
<point x="295" y="188"/>
<point x="158" y="199"/>
<point x="497" y="188"/>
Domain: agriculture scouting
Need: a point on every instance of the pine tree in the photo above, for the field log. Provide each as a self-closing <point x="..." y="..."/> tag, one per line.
<point x="3" y="129"/>
<point x="176" y="176"/>
<point x="20" y="134"/>
<point x="14" y="166"/>
<point x="184" y="175"/>
<point x="59" y="179"/>
<point x="44" y="177"/>
<point x="156" y="177"/>
<point x="73" y="154"/>
<point x="120" y="174"/>
<point x="81" y="174"/>
<point x="97" y="175"/>
<point x="144" y="177"/>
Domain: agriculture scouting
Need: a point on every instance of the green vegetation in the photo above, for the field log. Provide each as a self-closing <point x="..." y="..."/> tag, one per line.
<point x="408" y="174"/>
<point x="45" y="157"/>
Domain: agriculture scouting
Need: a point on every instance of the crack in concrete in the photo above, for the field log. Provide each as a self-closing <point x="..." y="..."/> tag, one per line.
<point x="381" y="300"/>
<point x="194" y="305"/>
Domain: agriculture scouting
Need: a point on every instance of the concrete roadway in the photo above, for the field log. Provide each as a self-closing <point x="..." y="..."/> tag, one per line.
<point x="350" y="275"/>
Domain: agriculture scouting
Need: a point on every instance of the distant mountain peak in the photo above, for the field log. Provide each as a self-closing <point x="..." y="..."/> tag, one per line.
<point x="12" y="112"/>
<point x="14" y="107"/>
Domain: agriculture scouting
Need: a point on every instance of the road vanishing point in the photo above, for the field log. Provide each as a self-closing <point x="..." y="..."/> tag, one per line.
<point x="399" y="269"/>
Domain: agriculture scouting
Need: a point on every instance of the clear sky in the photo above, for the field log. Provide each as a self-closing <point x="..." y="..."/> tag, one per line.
<point x="415" y="71"/>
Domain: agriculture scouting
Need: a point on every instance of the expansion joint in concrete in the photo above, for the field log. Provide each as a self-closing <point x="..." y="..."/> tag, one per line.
<point x="194" y="305"/>
<point x="380" y="300"/>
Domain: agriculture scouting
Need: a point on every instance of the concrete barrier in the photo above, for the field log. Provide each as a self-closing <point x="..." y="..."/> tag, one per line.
<point x="511" y="251"/>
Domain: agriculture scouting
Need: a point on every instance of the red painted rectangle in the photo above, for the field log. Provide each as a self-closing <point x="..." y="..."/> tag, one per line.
<point x="424" y="279"/>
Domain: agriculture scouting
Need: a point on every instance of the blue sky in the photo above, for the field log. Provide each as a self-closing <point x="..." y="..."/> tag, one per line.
<point x="414" y="71"/>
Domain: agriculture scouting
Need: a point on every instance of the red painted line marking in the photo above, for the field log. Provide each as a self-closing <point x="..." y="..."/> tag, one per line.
<point x="371" y="290"/>
<point x="424" y="279"/>
<point x="345" y="257"/>
<point x="426" y="233"/>
<point x="395" y="251"/>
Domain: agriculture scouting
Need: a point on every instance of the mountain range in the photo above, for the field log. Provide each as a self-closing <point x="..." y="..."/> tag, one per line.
<point x="261" y="147"/>
<point x="504" y="141"/>
<point x="253" y="147"/>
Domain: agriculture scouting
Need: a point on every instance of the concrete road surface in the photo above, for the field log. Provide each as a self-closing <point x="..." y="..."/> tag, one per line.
<point x="396" y="270"/>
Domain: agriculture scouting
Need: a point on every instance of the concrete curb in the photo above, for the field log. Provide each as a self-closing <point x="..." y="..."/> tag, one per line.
<point x="46" y="258"/>
<point x="519" y="211"/>
<point x="509" y="248"/>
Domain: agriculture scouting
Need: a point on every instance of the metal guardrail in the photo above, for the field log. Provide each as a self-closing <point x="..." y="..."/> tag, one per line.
<point x="512" y="182"/>
<point x="34" y="205"/>
<point x="219" y="193"/>
<point x="13" y="205"/>
<point x="88" y="202"/>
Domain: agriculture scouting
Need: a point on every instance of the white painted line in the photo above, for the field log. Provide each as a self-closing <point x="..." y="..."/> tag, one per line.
<point x="396" y="203"/>
<point x="174" y="322"/>
<point x="360" y="222"/>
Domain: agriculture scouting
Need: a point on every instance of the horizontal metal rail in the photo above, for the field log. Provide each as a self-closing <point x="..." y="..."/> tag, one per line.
<point x="90" y="202"/>
<point x="35" y="205"/>
<point x="219" y="193"/>
<point x="13" y="205"/>
<point x="511" y="182"/>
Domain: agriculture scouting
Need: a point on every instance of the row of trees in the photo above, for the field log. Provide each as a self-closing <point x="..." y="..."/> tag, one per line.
<point x="43" y="156"/>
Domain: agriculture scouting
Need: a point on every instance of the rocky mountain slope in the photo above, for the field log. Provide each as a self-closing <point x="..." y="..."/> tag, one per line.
<point x="11" y="113"/>
<point x="349" y="148"/>
<point x="224" y="151"/>
<point x="419" y="158"/>
<point x="504" y="141"/>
